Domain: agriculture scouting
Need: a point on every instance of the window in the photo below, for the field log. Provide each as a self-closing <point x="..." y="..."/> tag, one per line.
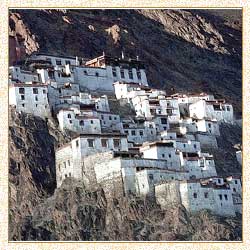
<point x="66" y="176"/>
<point x="82" y="123"/>
<point x="64" y="164"/>
<point x="165" y="128"/>
<point x="67" y="62"/>
<point x="96" y="74"/>
<point x="225" y="195"/>
<point x="36" y="105"/>
<point x="130" y="74"/>
<point x="195" y="146"/>
<point x="36" y="98"/>
<point x="23" y="105"/>
<point x="68" y="162"/>
<point x="234" y="189"/>
<point x="169" y="155"/>
<point x="126" y="132"/>
<point x="110" y="118"/>
<point x="22" y="97"/>
<point x="116" y="143"/>
<point x="59" y="167"/>
<point x="184" y="145"/>
<point x="90" y="143"/>
<point x="70" y="121"/>
<point x="163" y="155"/>
<point x="163" y="120"/>
<point x="132" y="132"/>
<point x="151" y="177"/>
<point x="77" y="143"/>
<point x="44" y="91"/>
<point x="228" y="108"/>
<point x="209" y="125"/>
<point x="21" y="91"/>
<point x="69" y="174"/>
<point x="115" y="118"/>
<point x="141" y="132"/>
<point x="104" y="143"/>
<point x="220" y="196"/>
<point x="219" y="181"/>
<point x="58" y="62"/>
<point x="195" y="195"/>
<point x="102" y="117"/>
<point x="35" y="90"/>
<point x="91" y="121"/>
<point x="122" y="73"/>
<point x="206" y="195"/>
<point x="139" y="74"/>
<point x="85" y="72"/>
<point x="114" y="71"/>
<point x="236" y="182"/>
<point x="69" y="116"/>
<point x="159" y="112"/>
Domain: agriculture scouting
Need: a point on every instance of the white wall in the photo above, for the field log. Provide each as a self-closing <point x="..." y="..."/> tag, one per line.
<point x="22" y="75"/>
<point x="36" y="104"/>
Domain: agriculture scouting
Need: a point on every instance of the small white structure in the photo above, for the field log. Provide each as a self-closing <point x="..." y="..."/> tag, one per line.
<point x="56" y="74"/>
<point x="218" y="109"/>
<point x="30" y="98"/>
<point x="239" y="156"/>
<point x="70" y="157"/>
<point x="196" y="195"/>
<point x="198" y="166"/>
<point x="148" y="177"/>
<point x="72" y="119"/>
<point x="139" y="133"/>
<point x="211" y="127"/>
<point x="184" y="100"/>
<point x="19" y="75"/>
<point x="110" y="122"/>
<point x="162" y="151"/>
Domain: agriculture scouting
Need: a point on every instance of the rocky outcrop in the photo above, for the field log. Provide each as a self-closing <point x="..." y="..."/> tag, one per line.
<point x="74" y="213"/>
<point x="184" y="50"/>
<point x="31" y="166"/>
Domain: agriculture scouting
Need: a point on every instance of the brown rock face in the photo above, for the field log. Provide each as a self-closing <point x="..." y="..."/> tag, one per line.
<point x="32" y="166"/>
<point x="184" y="50"/>
<point x="74" y="213"/>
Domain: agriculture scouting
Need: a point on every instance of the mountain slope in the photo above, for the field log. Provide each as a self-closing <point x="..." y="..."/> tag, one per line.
<point x="184" y="50"/>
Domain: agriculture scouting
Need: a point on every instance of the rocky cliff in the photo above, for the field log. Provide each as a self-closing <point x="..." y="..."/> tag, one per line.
<point x="74" y="213"/>
<point x="184" y="50"/>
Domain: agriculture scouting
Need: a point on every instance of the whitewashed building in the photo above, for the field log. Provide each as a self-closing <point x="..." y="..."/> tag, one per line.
<point x="100" y="73"/>
<point x="55" y="60"/>
<point x="19" y="75"/>
<point x="138" y="133"/>
<point x="211" y="127"/>
<point x="134" y="175"/>
<point x="218" y="109"/>
<point x="72" y="119"/>
<point x="196" y="195"/>
<point x="162" y="151"/>
<point x="30" y="98"/>
<point x="70" y="157"/>
<point x="184" y="100"/>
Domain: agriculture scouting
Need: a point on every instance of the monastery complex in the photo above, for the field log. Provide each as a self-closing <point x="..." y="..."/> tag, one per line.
<point x="158" y="152"/>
